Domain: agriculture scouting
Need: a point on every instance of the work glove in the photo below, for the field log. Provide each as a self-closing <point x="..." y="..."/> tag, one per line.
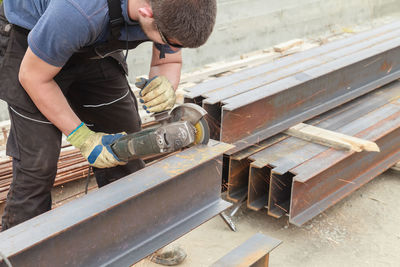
<point x="95" y="147"/>
<point x="157" y="94"/>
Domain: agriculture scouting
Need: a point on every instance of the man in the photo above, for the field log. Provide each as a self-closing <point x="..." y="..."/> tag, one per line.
<point x="61" y="72"/>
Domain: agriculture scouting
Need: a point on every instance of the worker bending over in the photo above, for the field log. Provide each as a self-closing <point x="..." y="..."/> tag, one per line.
<point x="62" y="70"/>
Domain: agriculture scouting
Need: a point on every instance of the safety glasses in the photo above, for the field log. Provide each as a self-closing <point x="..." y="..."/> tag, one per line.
<point x="165" y="40"/>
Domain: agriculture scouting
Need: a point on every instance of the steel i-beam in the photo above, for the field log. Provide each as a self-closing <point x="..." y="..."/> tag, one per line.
<point x="295" y="99"/>
<point x="255" y="82"/>
<point x="127" y="220"/>
<point x="239" y="168"/>
<point x="218" y="86"/>
<point x="282" y="153"/>
<point x="305" y="178"/>
<point x="318" y="184"/>
<point x="214" y="100"/>
<point x="254" y="252"/>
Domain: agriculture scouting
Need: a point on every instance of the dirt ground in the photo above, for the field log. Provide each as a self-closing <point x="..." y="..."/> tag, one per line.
<point x="361" y="230"/>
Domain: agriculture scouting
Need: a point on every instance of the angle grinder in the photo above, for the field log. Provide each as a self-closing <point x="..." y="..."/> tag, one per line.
<point x="183" y="126"/>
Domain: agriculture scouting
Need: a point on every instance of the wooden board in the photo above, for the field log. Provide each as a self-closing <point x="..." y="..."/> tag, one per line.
<point x="332" y="139"/>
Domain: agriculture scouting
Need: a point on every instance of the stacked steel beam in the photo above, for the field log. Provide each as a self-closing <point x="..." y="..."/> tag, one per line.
<point x="256" y="103"/>
<point x="251" y="108"/>
<point x="301" y="179"/>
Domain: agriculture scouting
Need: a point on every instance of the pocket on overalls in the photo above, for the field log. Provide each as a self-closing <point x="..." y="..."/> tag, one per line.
<point x="5" y="31"/>
<point x="12" y="147"/>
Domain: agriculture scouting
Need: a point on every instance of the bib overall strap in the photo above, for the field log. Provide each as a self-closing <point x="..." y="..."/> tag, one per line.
<point x="116" y="20"/>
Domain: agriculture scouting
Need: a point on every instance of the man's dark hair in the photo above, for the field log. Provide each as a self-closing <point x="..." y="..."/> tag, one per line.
<point x="188" y="21"/>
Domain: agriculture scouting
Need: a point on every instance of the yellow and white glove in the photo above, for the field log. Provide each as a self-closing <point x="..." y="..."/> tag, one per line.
<point x="157" y="94"/>
<point x="95" y="147"/>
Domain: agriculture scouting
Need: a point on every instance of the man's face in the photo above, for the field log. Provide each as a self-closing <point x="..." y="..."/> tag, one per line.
<point x="150" y="29"/>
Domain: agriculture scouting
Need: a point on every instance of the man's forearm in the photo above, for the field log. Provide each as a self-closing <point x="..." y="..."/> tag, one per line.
<point x="52" y="104"/>
<point x="170" y="70"/>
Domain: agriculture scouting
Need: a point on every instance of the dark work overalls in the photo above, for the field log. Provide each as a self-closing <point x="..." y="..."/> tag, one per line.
<point x="97" y="90"/>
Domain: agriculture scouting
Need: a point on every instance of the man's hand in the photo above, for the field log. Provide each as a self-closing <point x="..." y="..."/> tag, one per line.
<point x="95" y="147"/>
<point x="157" y="94"/>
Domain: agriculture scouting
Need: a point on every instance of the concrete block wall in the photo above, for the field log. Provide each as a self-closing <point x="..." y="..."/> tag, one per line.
<point x="248" y="25"/>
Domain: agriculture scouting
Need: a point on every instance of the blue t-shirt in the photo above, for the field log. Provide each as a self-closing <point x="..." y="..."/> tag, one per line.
<point x="59" y="28"/>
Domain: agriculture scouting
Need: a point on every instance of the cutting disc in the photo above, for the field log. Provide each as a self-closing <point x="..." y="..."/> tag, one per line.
<point x="202" y="132"/>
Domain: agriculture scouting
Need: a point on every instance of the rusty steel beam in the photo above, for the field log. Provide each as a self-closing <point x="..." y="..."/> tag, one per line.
<point x="212" y="94"/>
<point x="254" y="252"/>
<point x="292" y="151"/>
<point x="295" y="99"/>
<point x="279" y="194"/>
<point x="302" y="179"/>
<point x="127" y="220"/>
<point x="315" y="60"/>
<point x="221" y="96"/>
<point x="212" y="88"/>
<point x="214" y="101"/>
<point x="258" y="187"/>
<point x="269" y="168"/>
<point x="239" y="168"/>
<point x="237" y="178"/>
<point x="319" y="184"/>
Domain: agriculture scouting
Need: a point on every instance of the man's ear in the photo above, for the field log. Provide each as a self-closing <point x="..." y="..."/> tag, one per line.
<point x="146" y="12"/>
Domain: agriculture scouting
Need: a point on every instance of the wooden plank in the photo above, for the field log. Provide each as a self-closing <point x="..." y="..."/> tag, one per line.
<point x="332" y="139"/>
<point x="287" y="45"/>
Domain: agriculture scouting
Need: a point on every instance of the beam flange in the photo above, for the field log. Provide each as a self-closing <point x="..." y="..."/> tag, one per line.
<point x="254" y="252"/>
<point x="127" y="220"/>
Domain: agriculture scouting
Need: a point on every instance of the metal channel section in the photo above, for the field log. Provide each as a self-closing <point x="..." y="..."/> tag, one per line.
<point x="261" y="174"/>
<point x="237" y="178"/>
<point x="279" y="194"/>
<point x="281" y="153"/>
<point x="295" y="99"/>
<point x="258" y="187"/>
<point x="127" y="220"/>
<point x="293" y="156"/>
<point x="254" y="252"/>
<point x="239" y="168"/>
<point x="319" y="184"/>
